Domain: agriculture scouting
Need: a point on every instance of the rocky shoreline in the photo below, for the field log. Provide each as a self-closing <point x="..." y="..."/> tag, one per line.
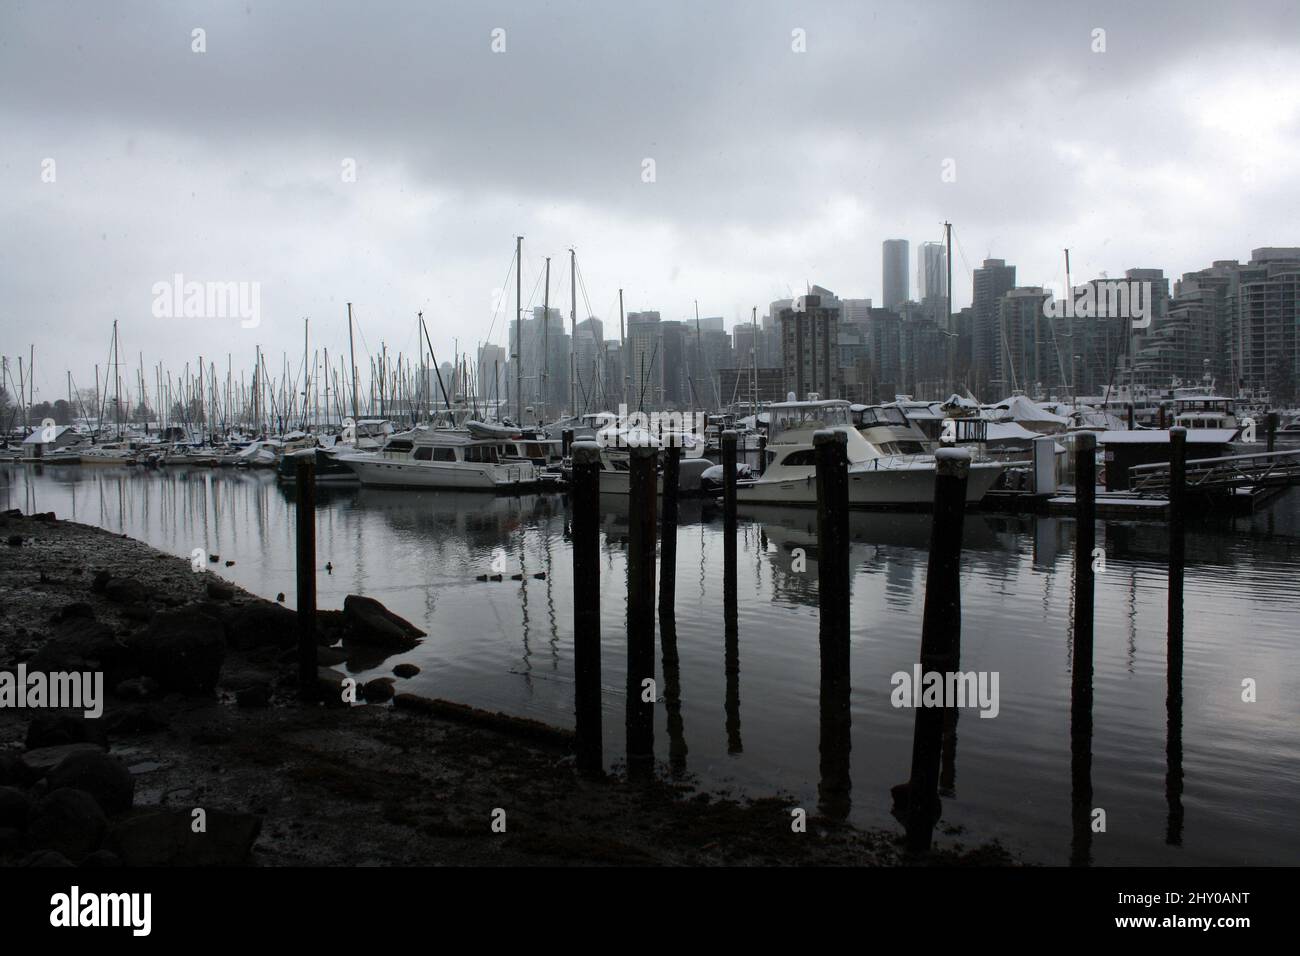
<point x="205" y="754"/>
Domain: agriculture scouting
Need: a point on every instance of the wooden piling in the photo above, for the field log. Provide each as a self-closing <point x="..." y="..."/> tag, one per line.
<point x="585" y="497"/>
<point x="642" y="482"/>
<point x="730" y="612"/>
<point x="1271" y="425"/>
<point x="671" y="458"/>
<point x="940" y="638"/>
<point x="831" y="457"/>
<point x="1081" y="671"/>
<point x="566" y="442"/>
<point x="305" y="476"/>
<point x="1174" y="646"/>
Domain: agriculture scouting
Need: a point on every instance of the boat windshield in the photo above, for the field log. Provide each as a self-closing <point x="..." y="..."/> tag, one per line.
<point x="878" y="415"/>
<point x="809" y="416"/>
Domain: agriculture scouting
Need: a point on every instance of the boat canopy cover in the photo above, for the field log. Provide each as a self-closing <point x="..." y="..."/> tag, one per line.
<point x="1019" y="408"/>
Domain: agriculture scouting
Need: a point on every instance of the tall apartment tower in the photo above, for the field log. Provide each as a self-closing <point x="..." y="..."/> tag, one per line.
<point x="810" y="347"/>
<point x="895" y="272"/>
<point x="931" y="272"/>
<point x="991" y="281"/>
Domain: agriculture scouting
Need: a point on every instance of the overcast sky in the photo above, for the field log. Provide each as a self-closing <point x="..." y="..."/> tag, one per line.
<point x="773" y="168"/>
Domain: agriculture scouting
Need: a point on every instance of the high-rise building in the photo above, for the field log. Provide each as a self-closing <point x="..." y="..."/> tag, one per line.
<point x="1031" y="348"/>
<point x="644" y="361"/>
<point x="491" y="374"/>
<point x="932" y="276"/>
<point x="992" y="280"/>
<point x="895" y="271"/>
<point x="810" y="347"/>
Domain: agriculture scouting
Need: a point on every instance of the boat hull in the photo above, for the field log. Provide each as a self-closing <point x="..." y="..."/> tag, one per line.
<point x="386" y="473"/>
<point x="905" y="487"/>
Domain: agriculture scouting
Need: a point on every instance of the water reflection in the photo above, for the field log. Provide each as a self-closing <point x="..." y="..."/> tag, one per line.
<point x="507" y="645"/>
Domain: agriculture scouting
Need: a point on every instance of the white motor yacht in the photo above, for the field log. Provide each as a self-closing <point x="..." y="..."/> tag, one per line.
<point x="439" y="458"/>
<point x="875" y="476"/>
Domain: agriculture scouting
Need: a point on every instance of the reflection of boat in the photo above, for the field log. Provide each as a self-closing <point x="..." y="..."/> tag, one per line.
<point x="875" y="478"/>
<point x="439" y="458"/>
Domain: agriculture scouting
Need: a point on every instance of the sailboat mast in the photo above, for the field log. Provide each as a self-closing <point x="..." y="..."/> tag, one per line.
<point x="952" y="345"/>
<point x="546" y="343"/>
<point x="622" y="344"/>
<point x="519" y="330"/>
<point x="573" y="333"/>
<point x="352" y="354"/>
<point x="753" y="354"/>
<point x="117" y="382"/>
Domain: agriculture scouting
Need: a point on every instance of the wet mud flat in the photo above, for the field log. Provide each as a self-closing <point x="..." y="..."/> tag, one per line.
<point x="205" y="754"/>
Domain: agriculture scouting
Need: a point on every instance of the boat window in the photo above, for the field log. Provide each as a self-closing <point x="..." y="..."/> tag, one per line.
<point x="444" y="454"/>
<point x="424" y="454"/>
<point x="804" y="457"/>
<point x="398" y="446"/>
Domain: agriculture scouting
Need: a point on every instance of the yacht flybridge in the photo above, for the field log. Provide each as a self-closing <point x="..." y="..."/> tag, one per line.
<point x="877" y="475"/>
<point x="441" y="458"/>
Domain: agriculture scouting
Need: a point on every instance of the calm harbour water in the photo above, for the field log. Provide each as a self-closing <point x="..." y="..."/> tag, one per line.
<point x="509" y="645"/>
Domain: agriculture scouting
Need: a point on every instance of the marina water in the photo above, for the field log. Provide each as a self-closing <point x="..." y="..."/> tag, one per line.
<point x="508" y="645"/>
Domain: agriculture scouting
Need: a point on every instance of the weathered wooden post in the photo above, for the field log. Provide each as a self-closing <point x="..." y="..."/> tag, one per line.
<point x="642" y="481"/>
<point x="940" y="639"/>
<point x="671" y="457"/>
<point x="762" y="454"/>
<point x="1085" y="489"/>
<point x="731" y="627"/>
<point x="830" y="451"/>
<point x="1272" y="430"/>
<point x="566" y="442"/>
<point x="305" y="476"/>
<point x="1177" y="509"/>
<point x="585" y="496"/>
<point x="1174" y="647"/>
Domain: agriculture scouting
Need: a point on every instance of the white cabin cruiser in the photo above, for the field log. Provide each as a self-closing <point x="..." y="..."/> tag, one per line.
<point x="875" y="477"/>
<point x="439" y="458"/>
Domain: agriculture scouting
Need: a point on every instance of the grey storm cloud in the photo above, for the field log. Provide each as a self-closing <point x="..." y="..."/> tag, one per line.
<point x="772" y="168"/>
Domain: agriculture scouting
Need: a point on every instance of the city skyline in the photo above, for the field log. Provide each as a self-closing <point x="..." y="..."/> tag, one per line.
<point x="207" y="177"/>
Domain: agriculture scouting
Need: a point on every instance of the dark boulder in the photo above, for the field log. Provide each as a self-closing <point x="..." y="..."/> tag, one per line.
<point x="406" y="670"/>
<point x="182" y="650"/>
<point x="100" y="581"/>
<point x="379" y="690"/>
<point x="125" y="591"/>
<point x="61" y="727"/>
<point x="102" y="860"/>
<point x="103" y="777"/>
<point x="220" y="591"/>
<point x="15" y="808"/>
<point x="84" y="644"/>
<point x="260" y="625"/>
<point x="13" y="772"/>
<point x="67" y="821"/>
<point x="37" y="763"/>
<point x="369" y="622"/>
